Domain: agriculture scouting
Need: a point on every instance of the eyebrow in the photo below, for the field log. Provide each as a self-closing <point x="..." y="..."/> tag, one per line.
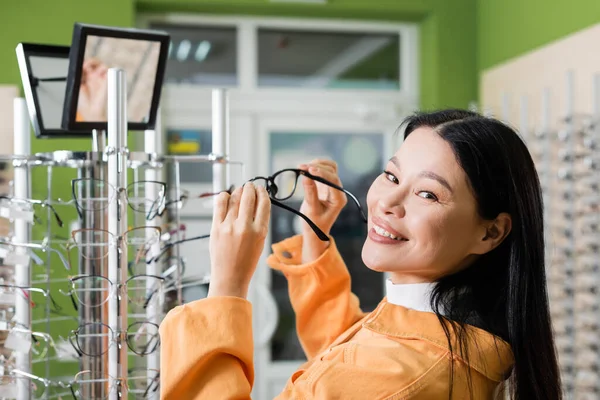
<point x="426" y="174"/>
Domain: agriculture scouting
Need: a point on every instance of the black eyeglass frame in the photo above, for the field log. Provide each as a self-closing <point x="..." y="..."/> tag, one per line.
<point x="272" y="189"/>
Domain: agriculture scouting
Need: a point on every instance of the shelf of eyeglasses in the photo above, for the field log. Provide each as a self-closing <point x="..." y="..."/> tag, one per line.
<point x="93" y="245"/>
<point x="136" y="159"/>
<point x="140" y="383"/>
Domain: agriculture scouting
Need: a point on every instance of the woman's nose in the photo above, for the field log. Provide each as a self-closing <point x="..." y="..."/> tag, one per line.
<point x="392" y="204"/>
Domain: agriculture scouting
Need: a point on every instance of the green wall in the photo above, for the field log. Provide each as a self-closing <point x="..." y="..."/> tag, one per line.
<point x="509" y="28"/>
<point x="447" y="45"/>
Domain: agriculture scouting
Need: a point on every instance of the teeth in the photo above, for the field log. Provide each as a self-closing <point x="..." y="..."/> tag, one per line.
<point x="380" y="231"/>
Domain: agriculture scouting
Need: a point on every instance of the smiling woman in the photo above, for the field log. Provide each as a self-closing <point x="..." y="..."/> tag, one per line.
<point x="456" y="221"/>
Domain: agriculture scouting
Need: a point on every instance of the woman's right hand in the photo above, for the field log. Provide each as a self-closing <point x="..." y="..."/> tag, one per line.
<point x="322" y="204"/>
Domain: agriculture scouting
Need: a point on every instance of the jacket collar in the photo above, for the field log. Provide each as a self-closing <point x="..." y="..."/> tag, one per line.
<point x="416" y="296"/>
<point x="488" y="354"/>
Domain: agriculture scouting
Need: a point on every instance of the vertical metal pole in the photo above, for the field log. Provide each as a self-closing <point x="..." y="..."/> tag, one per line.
<point x="177" y="217"/>
<point x="22" y="146"/>
<point x="117" y="219"/>
<point x="152" y="141"/>
<point x="220" y="127"/>
<point x="93" y="219"/>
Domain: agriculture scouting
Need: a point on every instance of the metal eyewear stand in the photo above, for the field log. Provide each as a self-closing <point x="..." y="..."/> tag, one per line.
<point x="22" y="234"/>
<point x="109" y="161"/>
<point x="116" y="152"/>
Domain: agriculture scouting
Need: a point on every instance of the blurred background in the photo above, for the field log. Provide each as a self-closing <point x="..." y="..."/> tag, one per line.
<point x="334" y="78"/>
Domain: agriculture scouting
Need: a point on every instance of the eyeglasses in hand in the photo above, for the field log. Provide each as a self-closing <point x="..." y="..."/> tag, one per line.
<point x="282" y="185"/>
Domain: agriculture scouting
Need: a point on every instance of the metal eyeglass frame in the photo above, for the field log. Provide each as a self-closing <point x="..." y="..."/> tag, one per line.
<point x="157" y="204"/>
<point x="114" y="385"/>
<point x="115" y="289"/>
<point x="113" y="240"/>
<point x="185" y="196"/>
<point x="32" y="203"/>
<point x="272" y="189"/>
<point x="25" y="289"/>
<point x="116" y="337"/>
<point x="151" y="387"/>
<point x="44" y="246"/>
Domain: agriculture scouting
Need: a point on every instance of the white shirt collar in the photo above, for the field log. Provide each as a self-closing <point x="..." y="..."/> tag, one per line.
<point x="415" y="296"/>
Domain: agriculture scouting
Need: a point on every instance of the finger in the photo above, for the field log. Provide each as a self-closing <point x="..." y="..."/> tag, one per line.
<point x="326" y="173"/>
<point x="247" y="203"/>
<point x="221" y="205"/>
<point x="311" y="195"/>
<point x="234" y="204"/>
<point x="324" y="162"/>
<point x="263" y="209"/>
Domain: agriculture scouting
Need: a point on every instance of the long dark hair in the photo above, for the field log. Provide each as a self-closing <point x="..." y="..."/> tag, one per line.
<point x="503" y="291"/>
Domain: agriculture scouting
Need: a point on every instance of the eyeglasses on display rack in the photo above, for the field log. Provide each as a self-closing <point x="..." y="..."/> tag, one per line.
<point x="185" y="196"/>
<point x="95" y="290"/>
<point x="85" y="384"/>
<point x="44" y="247"/>
<point x="33" y="204"/>
<point x="170" y="245"/>
<point x="95" y="194"/>
<point x="21" y="339"/>
<point x="142" y="382"/>
<point x="282" y="185"/>
<point x="93" y="244"/>
<point x="40" y="388"/>
<point x="94" y="339"/>
<point x="8" y="295"/>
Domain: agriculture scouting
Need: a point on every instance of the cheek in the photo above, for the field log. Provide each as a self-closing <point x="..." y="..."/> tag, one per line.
<point x="443" y="232"/>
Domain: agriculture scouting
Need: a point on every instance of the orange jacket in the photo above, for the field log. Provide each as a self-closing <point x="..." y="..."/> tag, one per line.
<point x="390" y="353"/>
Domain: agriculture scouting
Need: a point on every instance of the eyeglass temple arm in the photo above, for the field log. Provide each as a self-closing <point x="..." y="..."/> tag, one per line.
<point x="169" y="245"/>
<point x="77" y="207"/>
<point x="64" y="261"/>
<point x="59" y="221"/>
<point x="333" y="185"/>
<point x="313" y="226"/>
<point x="70" y="294"/>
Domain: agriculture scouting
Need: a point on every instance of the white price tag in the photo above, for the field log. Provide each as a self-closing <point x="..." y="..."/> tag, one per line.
<point x="9" y="390"/>
<point x="18" y="341"/>
<point x="16" y="259"/>
<point x="11" y="213"/>
<point x="7" y="298"/>
<point x="3" y="327"/>
<point x="24" y="215"/>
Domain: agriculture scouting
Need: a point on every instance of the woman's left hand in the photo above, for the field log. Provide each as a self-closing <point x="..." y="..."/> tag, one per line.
<point x="237" y="237"/>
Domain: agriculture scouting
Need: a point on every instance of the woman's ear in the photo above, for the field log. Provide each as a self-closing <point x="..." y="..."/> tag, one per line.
<point x="495" y="232"/>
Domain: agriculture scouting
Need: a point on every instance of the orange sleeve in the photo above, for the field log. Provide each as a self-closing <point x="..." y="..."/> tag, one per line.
<point x="207" y="350"/>
<point x="319" y="292"/>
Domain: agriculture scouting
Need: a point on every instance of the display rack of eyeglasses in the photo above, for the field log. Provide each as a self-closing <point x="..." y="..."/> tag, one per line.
<point x="567" y="155"/>
<point x="120" y="261"/>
